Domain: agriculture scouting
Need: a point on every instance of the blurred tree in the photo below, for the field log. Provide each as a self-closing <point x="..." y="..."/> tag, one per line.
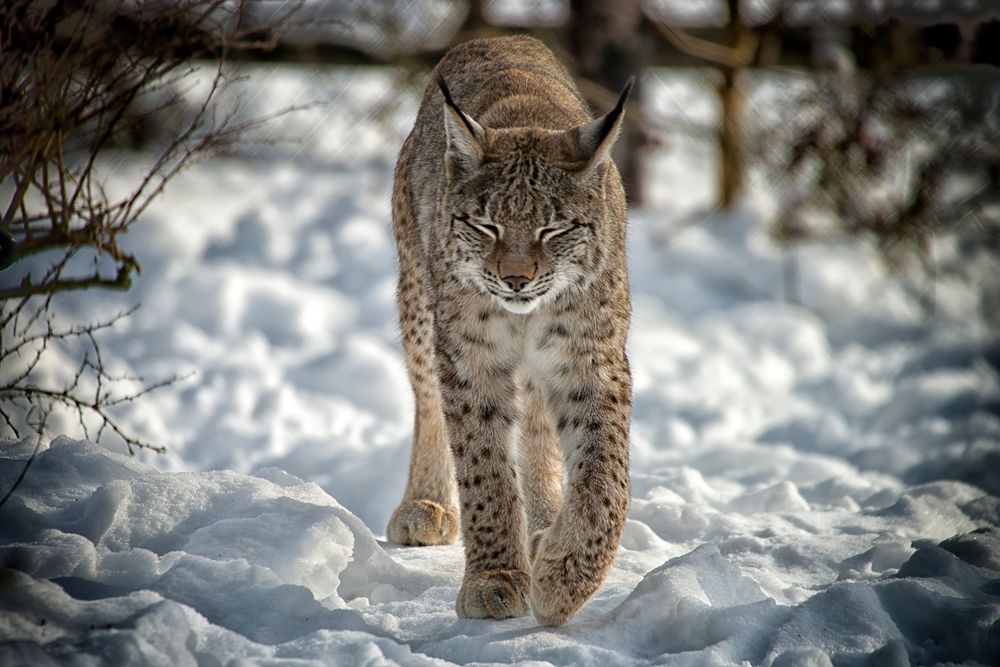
<point x="731" y="55"/>
<point x="898" y="151"/>
<point x="741" y="43"/>
<point x="605" y="39"/>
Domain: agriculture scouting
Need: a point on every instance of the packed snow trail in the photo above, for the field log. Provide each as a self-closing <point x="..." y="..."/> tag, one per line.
<point x="107" y="558"/>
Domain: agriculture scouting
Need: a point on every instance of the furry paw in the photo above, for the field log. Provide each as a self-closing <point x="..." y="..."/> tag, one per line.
<point x="562" y="578"/>
<point x="422" y="523"/>
<point x="493" y="594"/>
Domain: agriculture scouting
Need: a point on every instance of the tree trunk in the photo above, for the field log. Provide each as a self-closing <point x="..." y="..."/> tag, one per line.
<point x="731" y="161"/>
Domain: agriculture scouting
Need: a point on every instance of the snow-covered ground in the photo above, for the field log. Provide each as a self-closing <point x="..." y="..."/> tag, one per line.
<point x="812" y="484"/>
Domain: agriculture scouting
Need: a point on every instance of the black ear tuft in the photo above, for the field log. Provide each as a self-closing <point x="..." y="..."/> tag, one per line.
<point x="444" y="91"/>
<point x="465" y="136"/>
<point x="612" y="117"/>
<point x="450" y="101"/>
<point x="598" y="136"/>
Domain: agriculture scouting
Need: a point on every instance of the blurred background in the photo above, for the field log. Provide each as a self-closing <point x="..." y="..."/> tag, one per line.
<point x="873" y="118"/>
<point x="862" y="118"/>
<point x="227" y="165"/>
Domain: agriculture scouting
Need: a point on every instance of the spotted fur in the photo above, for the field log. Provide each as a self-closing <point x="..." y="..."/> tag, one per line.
<point x="513" y="298"/>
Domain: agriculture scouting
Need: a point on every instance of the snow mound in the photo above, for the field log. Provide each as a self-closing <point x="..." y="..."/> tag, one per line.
<point x="107" y="560"/>
<point x="93" y="539"/>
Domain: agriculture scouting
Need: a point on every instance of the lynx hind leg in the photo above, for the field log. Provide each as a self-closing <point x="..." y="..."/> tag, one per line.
<point x="540" y="462"/>
<point x="428" y="513"/>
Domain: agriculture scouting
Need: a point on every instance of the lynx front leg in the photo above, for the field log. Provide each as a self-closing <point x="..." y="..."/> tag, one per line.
<point x="480" y="409"/>
<point x="574" y="554"/>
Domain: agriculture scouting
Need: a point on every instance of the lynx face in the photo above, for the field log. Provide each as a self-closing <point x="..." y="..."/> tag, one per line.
<point x="523" y="222"/>
<point x="512" y="235"/>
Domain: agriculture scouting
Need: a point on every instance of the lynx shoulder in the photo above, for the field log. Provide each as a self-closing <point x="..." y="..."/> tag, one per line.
<point x="509" y="218"/>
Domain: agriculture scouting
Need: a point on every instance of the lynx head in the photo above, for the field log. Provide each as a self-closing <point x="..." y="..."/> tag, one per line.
<point x="526" y="206"/>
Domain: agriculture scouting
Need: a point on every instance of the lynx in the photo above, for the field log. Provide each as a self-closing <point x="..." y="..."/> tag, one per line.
<point x="509" y="220"/>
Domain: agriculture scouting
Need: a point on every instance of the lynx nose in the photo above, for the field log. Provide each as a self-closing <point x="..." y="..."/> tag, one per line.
<point x="516" y="283"/>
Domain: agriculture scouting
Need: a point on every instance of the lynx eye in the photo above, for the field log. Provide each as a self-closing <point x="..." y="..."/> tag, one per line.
<point x="548" y="233"/>
<point x="485" y="228"/>
<point x="492" y="230"/>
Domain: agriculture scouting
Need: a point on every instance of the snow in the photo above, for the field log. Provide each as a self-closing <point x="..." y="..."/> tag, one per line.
<point x="812" y="484"/>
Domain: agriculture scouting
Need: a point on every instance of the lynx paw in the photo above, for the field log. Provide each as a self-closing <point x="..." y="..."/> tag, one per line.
<point x="422" y="523"/>
<point x="493" y="594"/>
<point x="562" y="578"/>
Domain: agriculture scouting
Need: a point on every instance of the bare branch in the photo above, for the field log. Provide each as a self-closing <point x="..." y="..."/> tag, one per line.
<point x="76" y="79"/>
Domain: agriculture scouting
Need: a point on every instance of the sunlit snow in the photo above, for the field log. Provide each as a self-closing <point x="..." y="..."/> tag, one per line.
<point x="812" y="484"/>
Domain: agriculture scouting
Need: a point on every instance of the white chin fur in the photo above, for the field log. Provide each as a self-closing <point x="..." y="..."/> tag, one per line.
<point x="519" y="307"/>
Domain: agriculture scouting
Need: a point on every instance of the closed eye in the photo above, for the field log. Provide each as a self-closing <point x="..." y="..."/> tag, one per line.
<point x="548" y="233"/>
<point x="490" y="230"/>
<point x="483" y="228"/>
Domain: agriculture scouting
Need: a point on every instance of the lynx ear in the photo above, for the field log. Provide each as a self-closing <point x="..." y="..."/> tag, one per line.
<point x="598" y="137"/>
<point x="465" y="136"/>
